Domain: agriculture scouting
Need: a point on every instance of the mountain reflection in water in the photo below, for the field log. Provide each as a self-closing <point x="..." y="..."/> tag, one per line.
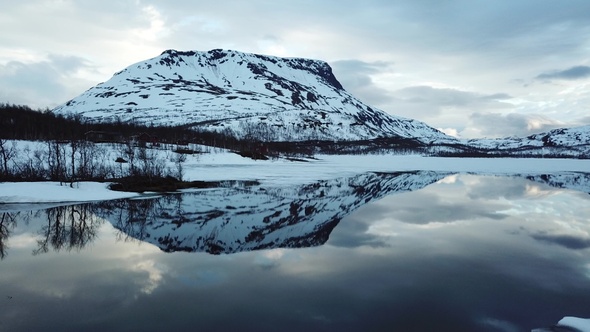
<point x="231" y="220"/>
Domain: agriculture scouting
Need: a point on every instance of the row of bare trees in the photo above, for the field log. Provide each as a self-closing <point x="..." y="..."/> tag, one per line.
<point x="53" y="160"/>
<point x="78" y="160"/>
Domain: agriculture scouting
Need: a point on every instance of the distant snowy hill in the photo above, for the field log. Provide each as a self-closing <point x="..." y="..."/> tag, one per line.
<point x="276" y="99"/>
<point x="567" y="142"/>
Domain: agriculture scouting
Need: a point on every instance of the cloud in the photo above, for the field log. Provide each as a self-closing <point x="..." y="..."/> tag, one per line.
<point x="512" y="124"/>
<point x="411" y="209"/>
<point x="444" y="108"/>
<point x="573" y="73"/>
<point x="449" y="97"/>
<point x="566" y="241"/>
<point x="352" y="231"/>
<point x="43" y="83"/>
<point x="493" y="188"/>
<point x="356" y="77"/>
<point x="67" y="64"/>
<point x="583" y="121"/>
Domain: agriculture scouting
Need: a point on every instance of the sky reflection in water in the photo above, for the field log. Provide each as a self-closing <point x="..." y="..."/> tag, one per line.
<point x="473" y="253"/>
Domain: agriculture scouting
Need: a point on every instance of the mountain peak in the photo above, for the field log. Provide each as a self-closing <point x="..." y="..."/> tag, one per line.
<point x="255" y="62"/>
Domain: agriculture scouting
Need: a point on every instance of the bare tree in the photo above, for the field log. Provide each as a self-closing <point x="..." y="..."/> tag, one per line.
<point x="68" y="227"/>
<point x="129" y="152"/>
<point x="73" y="148"/>
<point x="56" y="159"/>
<point x="7" y="153"/>
<point x="179" y="163"/>
<point x="7" y="222"/>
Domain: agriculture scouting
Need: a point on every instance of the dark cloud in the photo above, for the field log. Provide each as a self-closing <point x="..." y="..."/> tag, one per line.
<point x="458" y="25"/>
<point x="566" y="241"/>
<point x="496" y="96"/>
<point x="573" y="73"/>
<point x="352" y="230"/>
<point x="583" y="121"/>
<point x="425" y="101"/>
<point x="355" y="77"/>
<point x="67" y="64"/>
<point x="447" y="97"/>
<point x="512" y="124"/>
<point x="41" y="83"/>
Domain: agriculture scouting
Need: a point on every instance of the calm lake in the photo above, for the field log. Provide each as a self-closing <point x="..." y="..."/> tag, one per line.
<point x="407" y="251"/>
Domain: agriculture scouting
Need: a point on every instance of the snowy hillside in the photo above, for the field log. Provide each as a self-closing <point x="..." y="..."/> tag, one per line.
<point x="278" y="99"/>
<point x="572" y="142"/>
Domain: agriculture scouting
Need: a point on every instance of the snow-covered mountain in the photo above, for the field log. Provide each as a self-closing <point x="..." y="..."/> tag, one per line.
<point x="276" y="99"/>
<point x="566" y="142"/>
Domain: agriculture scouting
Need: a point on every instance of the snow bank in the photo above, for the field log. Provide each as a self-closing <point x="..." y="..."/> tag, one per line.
<point x="568" y="323"/>
<point x="281" y="172"/>
<point x="53" y="192"/>
<point x="582" y="324"/>
<point x="220" y="164"/>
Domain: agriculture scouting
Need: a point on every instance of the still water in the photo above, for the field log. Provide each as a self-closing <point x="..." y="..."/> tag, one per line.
<point x="410" y="251"/>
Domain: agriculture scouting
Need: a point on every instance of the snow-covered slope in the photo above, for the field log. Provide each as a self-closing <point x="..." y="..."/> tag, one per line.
<point x="573" y="142"/>
<point x="279" y="99"/>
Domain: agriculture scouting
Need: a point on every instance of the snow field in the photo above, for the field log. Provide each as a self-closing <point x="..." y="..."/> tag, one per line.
<point x="220" y="164"/>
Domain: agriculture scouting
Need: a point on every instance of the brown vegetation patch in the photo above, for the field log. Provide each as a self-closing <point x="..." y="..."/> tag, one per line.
<point x="169" y="184"/>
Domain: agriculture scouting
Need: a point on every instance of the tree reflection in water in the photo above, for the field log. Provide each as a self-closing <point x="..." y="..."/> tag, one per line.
<point x="7" y="224"/>
<point x="68" y="228"/>
<point x="73" y="227"/>
<point x="133" y="217"/>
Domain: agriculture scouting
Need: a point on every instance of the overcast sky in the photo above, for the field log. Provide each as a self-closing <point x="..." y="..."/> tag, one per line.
<point x="472" y="68"/>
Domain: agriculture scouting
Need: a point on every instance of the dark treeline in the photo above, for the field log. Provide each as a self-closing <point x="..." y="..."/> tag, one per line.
<point x="20" y="122"/>
<point x="23" y="123"/>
